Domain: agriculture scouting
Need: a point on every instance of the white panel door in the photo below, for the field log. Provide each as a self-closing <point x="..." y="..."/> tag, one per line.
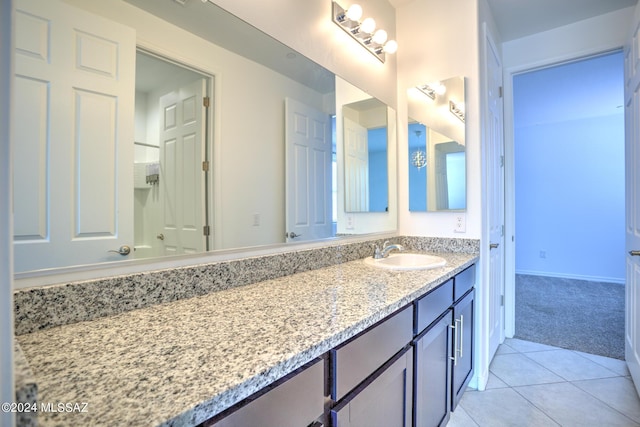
<point x="308" y="172"/>
<point x="356" y="167"/>
<point x="495" y="196"/>
<point x="73" y="115"/>
<point x="632" y="202"/>
<point x="182" y="122"/>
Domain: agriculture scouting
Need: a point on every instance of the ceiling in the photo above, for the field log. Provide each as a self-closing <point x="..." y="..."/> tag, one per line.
<point x="519" y="18"/>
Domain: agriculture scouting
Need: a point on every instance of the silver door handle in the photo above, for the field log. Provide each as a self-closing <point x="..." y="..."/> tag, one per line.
<point x="124" y="250"/>
<point x="634" y="253"/>
<point x="293" y="235"/>
<point x="494" y="245"/>
<point x="455" y="343"/>
<point x="461" y="335"/>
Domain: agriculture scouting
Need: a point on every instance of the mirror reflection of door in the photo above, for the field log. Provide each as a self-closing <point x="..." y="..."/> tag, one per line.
<point x="309" y="164"/>
<point x="170" y="147"/>
<point x="365" y="156"/>
<point x="72" y="114"/>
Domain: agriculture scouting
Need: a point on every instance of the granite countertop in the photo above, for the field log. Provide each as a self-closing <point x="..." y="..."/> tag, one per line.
<point x="180" y="363"/>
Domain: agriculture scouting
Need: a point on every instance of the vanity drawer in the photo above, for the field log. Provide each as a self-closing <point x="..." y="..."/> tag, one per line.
<point x="354" y="361"/>
<point x="297" y="401"/>
<point x="464" y="281"/>
<point x="432" y="305"/>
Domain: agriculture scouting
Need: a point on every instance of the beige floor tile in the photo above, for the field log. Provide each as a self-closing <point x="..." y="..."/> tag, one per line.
<point x="503" y="407"/>
<point x="517" y="369"/>
<point x="618" y="392"/>
<point x="569" y="365"/>
<point x="570" y="406"/>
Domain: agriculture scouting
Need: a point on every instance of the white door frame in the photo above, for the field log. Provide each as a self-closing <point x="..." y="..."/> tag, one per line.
<point x="7" y="393"/>
<point x="509" y="153"/>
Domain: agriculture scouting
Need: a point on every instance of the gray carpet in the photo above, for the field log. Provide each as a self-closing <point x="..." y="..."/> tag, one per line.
<point x="572" y="314"/>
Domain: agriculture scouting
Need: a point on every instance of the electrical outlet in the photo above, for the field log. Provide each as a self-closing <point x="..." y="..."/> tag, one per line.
<point x="543" y="254"/>
<point x="256" y="219"/>
<point x="350" y="223"/>
<point x="460" y="225"/>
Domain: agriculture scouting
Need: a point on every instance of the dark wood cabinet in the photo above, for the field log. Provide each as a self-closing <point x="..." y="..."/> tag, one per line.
<point x="383" y="400"/>
<point x="432" y="378"/>
<point x="463" y="318"/>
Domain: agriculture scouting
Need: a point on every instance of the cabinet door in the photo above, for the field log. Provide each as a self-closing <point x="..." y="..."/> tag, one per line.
<point x="385" y="399"/>
<point x="298" y="401"/>
<point x="432" y="352"/>
<point x="463" y="318"/>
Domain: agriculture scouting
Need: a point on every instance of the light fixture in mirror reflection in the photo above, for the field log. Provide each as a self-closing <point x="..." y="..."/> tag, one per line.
<point x="244" y="206"/>
<point x="436" y="128"/>
<point x="365" y="156"/>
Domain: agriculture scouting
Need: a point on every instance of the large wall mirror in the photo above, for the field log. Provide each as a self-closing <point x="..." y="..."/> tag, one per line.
<point x="207" y="130"/>
<point x="436" y="140"/>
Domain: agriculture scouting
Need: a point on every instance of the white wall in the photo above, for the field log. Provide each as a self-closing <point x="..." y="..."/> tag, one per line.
<point x="7" y="393"/>
<point x="439" y="40"/>
<point x="306" y="26"/>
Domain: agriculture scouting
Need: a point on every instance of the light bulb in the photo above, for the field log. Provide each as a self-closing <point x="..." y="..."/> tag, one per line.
<point x="439" y="88"/>
<point x="391" y="47"/>
<point x="368" y="26"/>
<point x="354" y="13"/>
<point x="380" y="37"/>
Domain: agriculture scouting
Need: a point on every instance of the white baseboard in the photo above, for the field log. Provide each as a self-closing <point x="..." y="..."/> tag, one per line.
<point x="618" y="280"/>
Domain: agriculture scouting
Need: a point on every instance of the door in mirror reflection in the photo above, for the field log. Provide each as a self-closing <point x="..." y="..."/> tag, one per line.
<point x="309" y="164"/>
<point x="72" y="177"/>
<point x="170" y="147"/>
<point x="365" y="156"/>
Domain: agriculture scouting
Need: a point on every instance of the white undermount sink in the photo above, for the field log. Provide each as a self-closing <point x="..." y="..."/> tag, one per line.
<point x="406" y="261"/>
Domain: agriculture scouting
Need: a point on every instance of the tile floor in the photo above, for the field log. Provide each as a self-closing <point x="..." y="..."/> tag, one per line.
<point x="538" y="385"/>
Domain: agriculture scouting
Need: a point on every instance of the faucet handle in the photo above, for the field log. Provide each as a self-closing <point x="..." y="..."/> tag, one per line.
<point x="385" y="244"/>
<point x="376" y="252"/>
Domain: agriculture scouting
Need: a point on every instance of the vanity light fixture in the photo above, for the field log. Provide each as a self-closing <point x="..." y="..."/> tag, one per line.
<point x="457" y="109"/>
<point x="363" y="32"/>
<point x="432" y="89"/>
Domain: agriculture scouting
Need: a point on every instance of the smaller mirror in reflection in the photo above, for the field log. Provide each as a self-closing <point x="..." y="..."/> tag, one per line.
<point x="436" y="141"/>
<point x="437" y="171"/>
<point x="365" y="156"/>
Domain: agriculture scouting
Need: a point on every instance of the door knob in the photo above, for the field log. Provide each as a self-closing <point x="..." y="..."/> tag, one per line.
<point x="124" y="250"/>
<point x="293" y="235"/>
<point x="494" y="245"/>
<point x="634" y="253"/>
<point x="160" y="236"/>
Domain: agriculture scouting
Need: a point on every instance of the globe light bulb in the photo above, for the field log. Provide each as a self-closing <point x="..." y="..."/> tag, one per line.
<point x="368" y="26"/>
<point x="391" y="47"/>
<point x="379" y="37"/>
<point x="354" y="13"/>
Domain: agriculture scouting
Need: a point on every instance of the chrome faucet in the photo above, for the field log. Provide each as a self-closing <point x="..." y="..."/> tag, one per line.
<point x="384" y="252"/>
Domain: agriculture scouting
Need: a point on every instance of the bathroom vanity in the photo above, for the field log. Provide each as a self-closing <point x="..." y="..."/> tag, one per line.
<point x="336" y="346"/>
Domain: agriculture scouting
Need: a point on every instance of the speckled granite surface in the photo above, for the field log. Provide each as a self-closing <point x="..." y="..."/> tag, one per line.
<point x="42" y="308"/>
<point x="181" y="362"/>
<point x="25" y="386"/>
